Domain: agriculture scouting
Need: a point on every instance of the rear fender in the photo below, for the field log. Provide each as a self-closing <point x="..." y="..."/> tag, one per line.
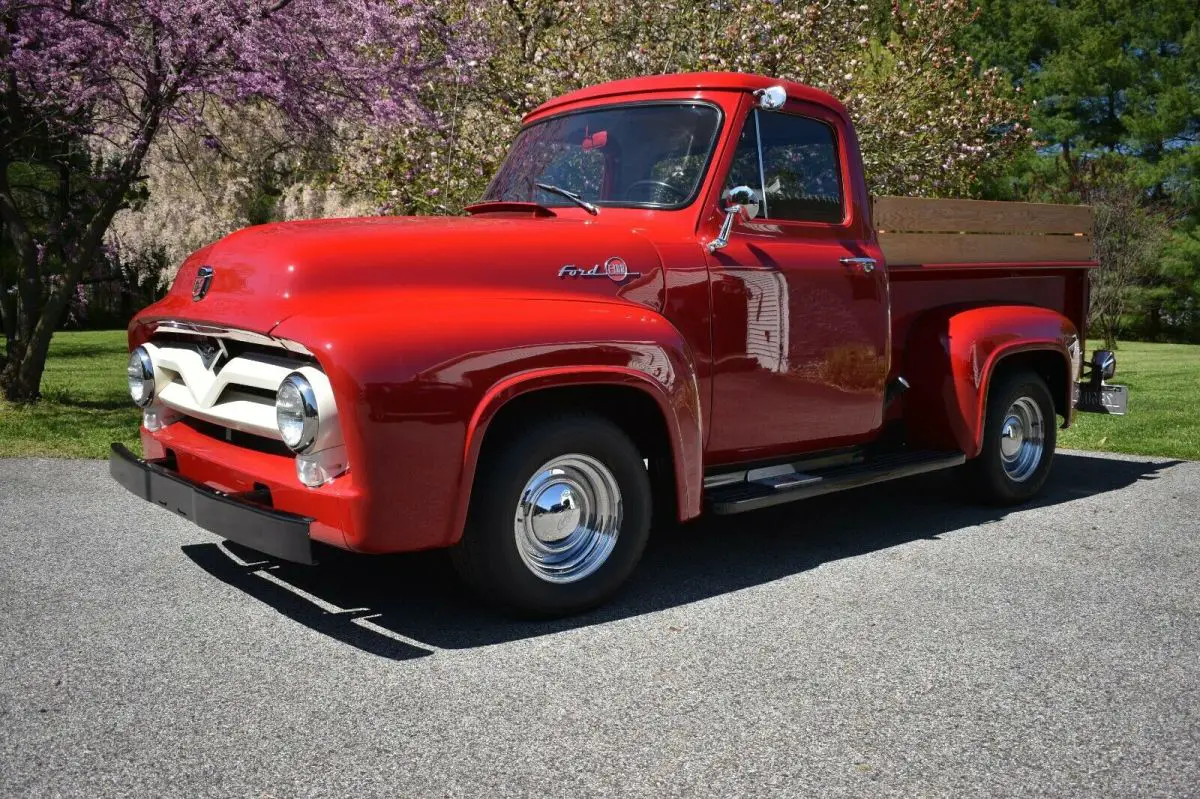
<point x="952" y="357"/>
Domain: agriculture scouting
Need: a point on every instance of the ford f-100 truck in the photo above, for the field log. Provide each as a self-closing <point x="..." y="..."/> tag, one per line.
<point x="675" y="297"/>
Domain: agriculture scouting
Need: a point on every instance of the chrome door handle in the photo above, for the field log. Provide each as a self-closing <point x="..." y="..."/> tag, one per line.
<point x="860" y="264"/>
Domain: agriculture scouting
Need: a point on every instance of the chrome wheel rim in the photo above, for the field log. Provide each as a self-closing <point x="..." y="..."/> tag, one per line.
<point x="1022" y="439"/>
<point x="568" y="518"/>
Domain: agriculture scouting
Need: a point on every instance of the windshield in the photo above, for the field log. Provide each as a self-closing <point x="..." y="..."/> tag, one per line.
<point x="644" y="156"/>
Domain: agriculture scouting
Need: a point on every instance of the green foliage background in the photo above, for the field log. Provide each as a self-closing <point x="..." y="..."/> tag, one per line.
<point x="1092" y="101"/>
<point x="1113" y="91"/>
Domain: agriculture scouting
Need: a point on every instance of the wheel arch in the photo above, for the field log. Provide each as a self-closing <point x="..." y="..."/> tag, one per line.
<point x="664" y="422"/>
<point x="957" y="355"/>
<point x="1048" y="361"/>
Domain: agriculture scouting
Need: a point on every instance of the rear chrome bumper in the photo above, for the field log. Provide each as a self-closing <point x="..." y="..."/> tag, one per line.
<point x="1091" y="397"/>
<point x="237" y="517"/>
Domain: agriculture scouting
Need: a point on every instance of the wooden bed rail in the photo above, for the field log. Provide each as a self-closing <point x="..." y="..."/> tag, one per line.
<point x="915" y="230"/>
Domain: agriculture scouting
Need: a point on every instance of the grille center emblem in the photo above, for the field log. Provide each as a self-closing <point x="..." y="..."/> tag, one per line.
<point x="212" y="353"/>
<point x="202" y="283"/>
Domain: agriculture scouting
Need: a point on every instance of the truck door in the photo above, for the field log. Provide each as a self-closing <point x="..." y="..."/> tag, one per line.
<point x="800" y="308"/>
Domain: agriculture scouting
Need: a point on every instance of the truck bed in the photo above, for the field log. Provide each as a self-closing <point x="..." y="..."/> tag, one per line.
<point x="914" y="231"/>
<point x="964" y="253"/>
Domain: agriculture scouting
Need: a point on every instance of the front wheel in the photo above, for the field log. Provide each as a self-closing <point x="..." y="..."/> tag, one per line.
<point x="1018" y="441"/>
<point x="559" y="517"/>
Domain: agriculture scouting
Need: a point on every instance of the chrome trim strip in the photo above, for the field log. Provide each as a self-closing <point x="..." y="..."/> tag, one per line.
<point x="762" y="175"/>
<point x="233" y="334"/>
<point x="727" y="478"/>
<point x="798" y="466"/>
<point x="860" y="264"/>
<point x="225" y="397"/>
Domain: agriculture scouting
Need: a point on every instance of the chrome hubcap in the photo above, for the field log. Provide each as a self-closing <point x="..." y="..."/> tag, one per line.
<point x="1022" y="439"/>
<point x="568" y="518"/>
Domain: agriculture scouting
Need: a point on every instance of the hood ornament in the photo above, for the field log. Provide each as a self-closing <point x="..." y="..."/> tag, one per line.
<point x="615" y="269"/>
<point x="202" y="283"/>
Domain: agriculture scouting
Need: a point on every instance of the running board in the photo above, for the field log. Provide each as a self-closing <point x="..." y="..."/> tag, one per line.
<point x="777" y="489"/>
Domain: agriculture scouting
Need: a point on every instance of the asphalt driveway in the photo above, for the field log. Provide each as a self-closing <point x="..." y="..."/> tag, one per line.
<point x="888" y="641"/>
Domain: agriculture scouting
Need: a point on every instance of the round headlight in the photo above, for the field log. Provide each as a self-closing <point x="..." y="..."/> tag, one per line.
<point x="141" y="377"/>
<point x="296" y="412"/>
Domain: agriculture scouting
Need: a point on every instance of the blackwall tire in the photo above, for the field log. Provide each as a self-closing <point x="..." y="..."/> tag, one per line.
<point x="559" y="517"/>
<point x="1019" y="435"/>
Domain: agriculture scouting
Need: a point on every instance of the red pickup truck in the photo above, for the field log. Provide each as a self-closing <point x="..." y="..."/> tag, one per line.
<point x="676" y="296"/>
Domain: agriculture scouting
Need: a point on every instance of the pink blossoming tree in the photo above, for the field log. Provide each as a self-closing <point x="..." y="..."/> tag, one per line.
<point x="87" y="86"/>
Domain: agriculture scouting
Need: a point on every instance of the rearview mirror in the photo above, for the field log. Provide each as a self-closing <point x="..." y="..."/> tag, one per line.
<point x="596" y="140"/>
<point x="741" y="202"/>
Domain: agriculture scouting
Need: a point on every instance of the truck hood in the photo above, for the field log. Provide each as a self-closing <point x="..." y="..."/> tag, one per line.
<point x="263" y="275"/>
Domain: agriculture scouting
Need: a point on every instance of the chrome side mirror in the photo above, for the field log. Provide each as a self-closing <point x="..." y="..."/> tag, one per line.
<point x="772" y="98"/>
<point x="740" y="202"/>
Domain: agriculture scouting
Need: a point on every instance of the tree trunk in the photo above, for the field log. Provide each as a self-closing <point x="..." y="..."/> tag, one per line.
<point x="21" y="310"/>
<point x="1066" y="154"/>
<point x="21" y="377"/>
<point x="8" y="321"/>
<point x="1154" y="329"/>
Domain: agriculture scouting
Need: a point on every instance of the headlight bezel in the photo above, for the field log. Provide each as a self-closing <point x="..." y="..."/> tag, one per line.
<point x="140" y="360"/>
<point x="310" y="417"/>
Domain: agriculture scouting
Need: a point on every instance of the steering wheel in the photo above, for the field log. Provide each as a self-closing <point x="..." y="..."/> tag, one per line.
<point x="660" y="183"/>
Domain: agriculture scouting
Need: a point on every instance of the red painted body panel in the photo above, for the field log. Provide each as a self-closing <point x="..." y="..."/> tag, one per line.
<point x="795" y="328"/>
<point x="958" y="352"/>
<point x="415" y="410"/>
<point x="689" y="84"/>
<point x="232" y="468"/>
<point x="426" y="327"/>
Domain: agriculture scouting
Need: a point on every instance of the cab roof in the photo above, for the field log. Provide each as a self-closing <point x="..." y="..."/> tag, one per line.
<point x="726" y="81"/>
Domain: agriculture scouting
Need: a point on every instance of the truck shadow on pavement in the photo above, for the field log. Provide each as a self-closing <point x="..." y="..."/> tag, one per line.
<point x="409" y="606"/>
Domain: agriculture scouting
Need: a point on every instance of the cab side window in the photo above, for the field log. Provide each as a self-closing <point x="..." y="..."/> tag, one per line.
<point x="744" y="171"/>
<point x="800" y="166"/>
<point x="800" y="178"/>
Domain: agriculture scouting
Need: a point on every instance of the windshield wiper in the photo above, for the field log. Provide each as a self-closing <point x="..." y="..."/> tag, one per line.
<point x="570" y="195"/>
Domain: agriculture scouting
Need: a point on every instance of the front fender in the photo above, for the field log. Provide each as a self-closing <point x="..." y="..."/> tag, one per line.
<point x="951" y="357"/>
<point x="678" y="400"/>
<point x="418" y="382"/>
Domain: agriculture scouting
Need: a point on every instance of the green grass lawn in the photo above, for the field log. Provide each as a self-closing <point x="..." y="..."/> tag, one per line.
<point x="86" y="404"/>
<point x="1164" y="383"/>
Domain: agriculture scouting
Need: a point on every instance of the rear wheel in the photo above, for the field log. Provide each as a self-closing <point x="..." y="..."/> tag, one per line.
<point x="1018" y="441"/>
<point x="559" y="516"/>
